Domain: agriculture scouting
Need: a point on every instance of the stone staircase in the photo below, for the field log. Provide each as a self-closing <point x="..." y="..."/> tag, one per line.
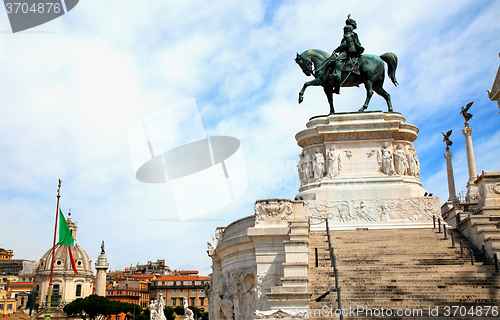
<point x="412" y="270"/>
<point x="482" y="230"/>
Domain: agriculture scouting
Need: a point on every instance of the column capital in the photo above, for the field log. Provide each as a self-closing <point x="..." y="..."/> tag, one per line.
<point x="467" y="131"/>
<point x="448" y="155"/>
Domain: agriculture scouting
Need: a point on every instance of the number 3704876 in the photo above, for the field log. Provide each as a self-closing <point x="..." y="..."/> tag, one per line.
<point x="474" y="311"/>
<point x="22" y="7"/>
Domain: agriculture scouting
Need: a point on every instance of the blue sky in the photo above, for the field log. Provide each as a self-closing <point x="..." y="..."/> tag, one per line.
<point x="70" y="90"/>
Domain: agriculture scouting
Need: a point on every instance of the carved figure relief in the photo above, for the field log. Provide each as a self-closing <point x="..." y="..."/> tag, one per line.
<point x="301" y="169"/>
<point x="226" y="306"/>
<point x="272" y="208"/>
<point x="307" y="166"/>
<point x="371" y="210"/>
<point x="362" y="212"/>
<point x="386" y="160"/>
<point x="319" y="164"/>
<point x="400" y="160"/>
<point x="215" y="239"/>
<point x="413" y="162"/>
<point x="248" y="296"/>
<point x="495" y="188"/>
<point x="265" y="281"/>
<point x="334" y="162"/>
<point x="188" y="313"/>
<point x="156" y="309"/>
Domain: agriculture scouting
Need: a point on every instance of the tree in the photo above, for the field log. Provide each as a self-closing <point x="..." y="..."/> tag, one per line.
<point x="98" y="308"/>
<point x="94" y="306"/>
<point x="179" y="310"/>
<point x="169" y="313"/>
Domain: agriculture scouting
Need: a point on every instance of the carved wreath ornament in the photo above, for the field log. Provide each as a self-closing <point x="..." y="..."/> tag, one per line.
<point x="272" y="208"/>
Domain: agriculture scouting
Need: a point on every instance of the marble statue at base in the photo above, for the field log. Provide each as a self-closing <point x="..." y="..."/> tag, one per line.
<point x="156" y="309"/>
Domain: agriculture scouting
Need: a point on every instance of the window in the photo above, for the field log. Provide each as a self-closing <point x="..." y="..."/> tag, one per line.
<point x="9" y="306"/>
<point x="192" y="283"/>
<point x="78" y="290"/>
<point x="55" y="289"/>
<point x="201" y="301"/>
<point x="182" y="290"/>
<point x="175" y="283"/>
<point x="1" y="306"/>
<point x="202" y="282"/>
<point x="202" y="290"/>
<point x="192" y="290"/>
<point x="174" y="290"/>
<point x="174" y="301"/>
<point x="193" y="301"/>
<point x="119" y="292"/>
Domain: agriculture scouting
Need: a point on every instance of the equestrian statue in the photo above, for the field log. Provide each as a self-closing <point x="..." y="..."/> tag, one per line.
<point x="348" y="67"/>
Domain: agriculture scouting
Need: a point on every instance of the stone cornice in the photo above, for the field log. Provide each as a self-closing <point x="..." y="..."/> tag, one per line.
<point x="357" y="126"/>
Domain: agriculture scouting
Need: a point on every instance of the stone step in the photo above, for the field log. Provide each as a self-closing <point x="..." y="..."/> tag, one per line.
<point x="399" y="268"/>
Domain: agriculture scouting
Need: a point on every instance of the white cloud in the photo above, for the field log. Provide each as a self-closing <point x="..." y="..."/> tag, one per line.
<point x="68" y="98"/>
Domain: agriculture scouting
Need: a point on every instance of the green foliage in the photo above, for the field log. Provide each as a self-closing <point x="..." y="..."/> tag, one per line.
<point x="179" y="310"/>
<point x="204" y="316"/>
<point x="141" y="316"/>
<point x="169" y="313"/>
<point x="97" y="307"/>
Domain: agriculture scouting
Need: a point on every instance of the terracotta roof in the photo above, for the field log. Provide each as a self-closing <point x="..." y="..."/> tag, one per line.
<point x="187" y="271"/>
<point x="182" y="278"/>
<point x="143" y="276"/>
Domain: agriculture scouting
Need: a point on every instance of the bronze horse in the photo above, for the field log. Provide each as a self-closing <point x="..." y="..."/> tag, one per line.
<point x="371" y="69"/>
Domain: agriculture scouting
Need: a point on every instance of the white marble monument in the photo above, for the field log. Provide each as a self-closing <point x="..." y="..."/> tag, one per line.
<point x="359" y="170"/>
<point x="374" y="179"/>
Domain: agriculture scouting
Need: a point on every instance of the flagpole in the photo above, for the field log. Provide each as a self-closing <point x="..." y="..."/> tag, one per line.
<point x="49" y="291"/>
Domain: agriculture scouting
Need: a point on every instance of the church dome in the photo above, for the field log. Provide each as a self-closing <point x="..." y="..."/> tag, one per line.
<point x="62" y="261"/>
<point x="67" y="285"/>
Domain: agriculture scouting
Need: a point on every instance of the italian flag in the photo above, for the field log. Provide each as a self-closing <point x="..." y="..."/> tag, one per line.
<point x="66" y="238"/>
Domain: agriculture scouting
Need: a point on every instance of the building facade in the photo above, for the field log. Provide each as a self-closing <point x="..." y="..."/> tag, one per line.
<point x="186" y="284"/>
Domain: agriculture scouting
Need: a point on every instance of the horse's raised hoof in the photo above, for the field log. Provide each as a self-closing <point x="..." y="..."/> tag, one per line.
<point x="301" y="98"/>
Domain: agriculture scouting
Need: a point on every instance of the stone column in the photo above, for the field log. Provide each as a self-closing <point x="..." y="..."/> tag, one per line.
<point x="472" y="192"/>
<point x="451" y="179"/>
<point x="101" y="266"/>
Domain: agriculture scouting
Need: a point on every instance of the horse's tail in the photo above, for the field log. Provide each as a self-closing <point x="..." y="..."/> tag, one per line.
<point x="392" y="63"/>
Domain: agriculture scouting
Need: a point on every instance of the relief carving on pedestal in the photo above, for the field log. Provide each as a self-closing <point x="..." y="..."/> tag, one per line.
<point x="271" y="208"/>
<point x="215" y="239"/>
<point x="385" y="159"/>
<point x="233" y="297"/>
<point x="305" y="167"/>
<point x="280" y="314"/>
<point x="413" y="162"/>
<point x="319" y="164"/>
<point x="495" y="188"/>
<point x="400" y="160"/>
<point x="265" y="281"/>
<point x="334" y="159"/>
<point x="371" y="210"/>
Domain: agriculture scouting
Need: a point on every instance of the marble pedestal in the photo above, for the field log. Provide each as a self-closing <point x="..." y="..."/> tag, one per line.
<point x="361" y="170"/>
